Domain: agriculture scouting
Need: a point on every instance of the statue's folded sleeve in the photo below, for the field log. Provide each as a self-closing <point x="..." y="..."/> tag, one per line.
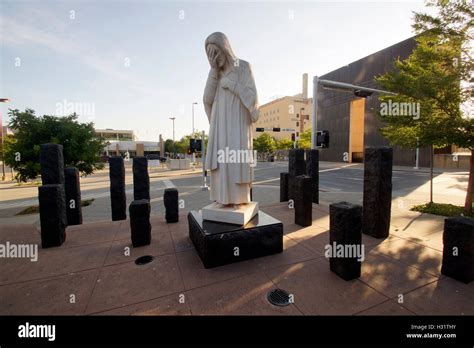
<point x="247" y="92"/>
<point x="210" y="92"/>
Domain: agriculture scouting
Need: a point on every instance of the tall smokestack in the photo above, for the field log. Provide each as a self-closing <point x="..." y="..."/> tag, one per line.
<point x="305" y="86"/>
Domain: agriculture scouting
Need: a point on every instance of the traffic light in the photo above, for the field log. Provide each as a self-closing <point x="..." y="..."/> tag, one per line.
<point x="195" y="145"/>
<point x="322" y="139"/>
<point x="260" y="129"/>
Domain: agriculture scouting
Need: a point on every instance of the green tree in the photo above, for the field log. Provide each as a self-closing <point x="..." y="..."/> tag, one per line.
<point x="437" y="76"/>
<point x="304" y="142"/>
<point x="81" y="147"/>
<point x="182" y="145"/>
<point x="169" y="146"/>
<point x="284" y="144"/>
<point x="264" y="144"/>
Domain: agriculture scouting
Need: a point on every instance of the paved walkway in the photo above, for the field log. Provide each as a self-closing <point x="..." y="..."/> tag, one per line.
<point x="92" y="273"/>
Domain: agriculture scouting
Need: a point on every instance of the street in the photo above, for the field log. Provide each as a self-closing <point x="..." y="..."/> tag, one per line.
<point x="338" y="182"/>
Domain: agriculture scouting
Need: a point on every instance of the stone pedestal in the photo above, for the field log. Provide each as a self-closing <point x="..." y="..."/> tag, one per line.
<point x="141" y="180"/>
<point x="239" y="214"/>
<point x="171" y="202"/>
<point x="52" y="164"/>
<point x="220" y="243"/>
<point x="140" y="222"/>
<point x="118" y="197"/>
<point x="377" y="200"/>
<point x="73" y="196"/>
<point x="52" y="206"/>
<point x="345" y="232"/>
<point x="284" y="187"/>
<point x="458" y="249"/>
<point x="303" y="201"/>
<point x="296" y="167"/>
<point x="312" y="170"/>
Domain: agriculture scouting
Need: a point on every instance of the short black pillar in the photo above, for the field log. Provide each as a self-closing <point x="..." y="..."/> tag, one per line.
<point x="296" y="167"/>
<point x="171" y="201"/>
<point x="458" y="250"/>
<point x="345" y="240"/>
<point x="377" y="202"/>
<point x="118" y="197"/>
<point x="312" y="170"/>
<point x="52" y="164"/>
<point x="140" y="222"/>
<point x="73" y="196"/>
<point x="303" y="201"/>
<point x="141" y="180"/>
<point x="284" y="187"/>
<point x="52" y="206"/>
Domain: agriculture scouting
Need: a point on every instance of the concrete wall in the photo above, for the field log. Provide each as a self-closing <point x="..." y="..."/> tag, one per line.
<point x="334" y="106"/>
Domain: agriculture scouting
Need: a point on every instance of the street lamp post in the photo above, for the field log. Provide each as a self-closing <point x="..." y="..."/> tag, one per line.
<point x="192" y="135"/>
<point x="174" y="145"/>
<point x="3" y="100"/>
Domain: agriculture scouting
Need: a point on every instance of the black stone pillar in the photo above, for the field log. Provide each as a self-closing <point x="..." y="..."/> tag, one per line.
<point x="141" y="180"/>
<point x="171" y="201"/>
<point x="73" y="196"/>
<point x="296" y="167"/>
<point x="53" y="219"/>
<point x="458" y="249"/>
<point x="377" y="191"/>
<point x="52" y="164"/>
<point x="312" y="170"/>
<point x="284" y="187"/>
<point x="117" y="188"/>
<point x="345" y="222"/>
<point x="303" y="201"/>
<point x="140" y="222"/>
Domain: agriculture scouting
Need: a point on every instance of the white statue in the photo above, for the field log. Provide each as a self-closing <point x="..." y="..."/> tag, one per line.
<point x="231" y="104"/>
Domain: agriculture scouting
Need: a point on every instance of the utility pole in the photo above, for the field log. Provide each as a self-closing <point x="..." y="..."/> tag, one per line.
<point x="174" y="144"/>
<point x="192" y="136"/>
<point x="192" y="133"/>
<point x="3" y="100"/>
<point x="204" y="186"/>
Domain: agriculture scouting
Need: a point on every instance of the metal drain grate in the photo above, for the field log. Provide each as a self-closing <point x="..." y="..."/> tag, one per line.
<point x="143" y="260"/>
<point x="278" y="297"/>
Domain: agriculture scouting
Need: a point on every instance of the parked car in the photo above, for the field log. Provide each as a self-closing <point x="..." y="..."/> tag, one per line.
<point x="156" y="157"/>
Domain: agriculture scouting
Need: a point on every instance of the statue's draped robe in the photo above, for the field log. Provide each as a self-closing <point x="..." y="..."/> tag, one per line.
<point x="231" y="112"/>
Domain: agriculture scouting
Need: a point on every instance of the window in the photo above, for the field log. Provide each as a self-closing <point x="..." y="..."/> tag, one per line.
<point x="297" y="124"/>
<point x="297" y="134"/>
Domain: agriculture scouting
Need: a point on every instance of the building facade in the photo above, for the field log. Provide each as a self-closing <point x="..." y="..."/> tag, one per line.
<point x="125" y="143"/>
<point x="292" y="114"/>
<point x="352" y="122"/>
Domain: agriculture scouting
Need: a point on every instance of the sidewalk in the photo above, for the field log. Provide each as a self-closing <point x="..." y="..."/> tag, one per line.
<point x="93" y="266"/>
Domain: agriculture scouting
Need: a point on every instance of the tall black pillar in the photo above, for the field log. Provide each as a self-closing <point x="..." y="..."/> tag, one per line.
<point x="73" y="196"/>
<point x="141" y="180"/>
<point x="377" y="200"/>
<point x="312" y="170"/>
<point x="345" y="221"/>
<point x="52" y="164"/>
<point x="53" y="219"/>
<point x="296" y="167"/>
<point x="118" y="197"/>
<point x="458" y="249"/>
<point x="303" y="201"/>
<point x="140" y="222"/>
<point x="284" y="187"/>
<point x="170" y="198"/>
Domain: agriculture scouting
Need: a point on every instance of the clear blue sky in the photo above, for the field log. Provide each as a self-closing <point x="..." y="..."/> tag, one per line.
<point x="82" y="60"/>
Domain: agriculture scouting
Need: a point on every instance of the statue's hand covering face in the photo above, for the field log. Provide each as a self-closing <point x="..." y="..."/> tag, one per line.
<point x="231" y="104"/>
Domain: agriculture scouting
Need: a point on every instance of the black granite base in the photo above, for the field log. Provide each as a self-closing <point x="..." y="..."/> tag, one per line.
<point x="219" y="243"/>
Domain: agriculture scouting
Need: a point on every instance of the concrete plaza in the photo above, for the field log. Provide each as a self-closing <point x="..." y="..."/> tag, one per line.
<point x="91" y="273"/>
